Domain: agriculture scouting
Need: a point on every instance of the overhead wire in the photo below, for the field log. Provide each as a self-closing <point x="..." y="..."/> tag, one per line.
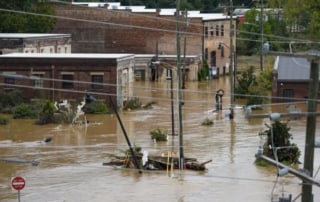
<point x="141" y="27"/>
<point x="114" y="95"/>
<point x="136" y="87"/>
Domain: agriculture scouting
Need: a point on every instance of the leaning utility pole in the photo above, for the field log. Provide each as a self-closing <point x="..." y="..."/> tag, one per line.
<point x="181" y="155"/>
<point x="307" y="195"/>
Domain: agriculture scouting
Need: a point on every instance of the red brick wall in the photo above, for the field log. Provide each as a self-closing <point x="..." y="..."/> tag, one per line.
<point x="53" y="69"/>
<point x="90" y="37"/>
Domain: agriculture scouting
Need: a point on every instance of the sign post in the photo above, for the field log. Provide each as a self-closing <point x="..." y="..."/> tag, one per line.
<point x="18" y="183"/>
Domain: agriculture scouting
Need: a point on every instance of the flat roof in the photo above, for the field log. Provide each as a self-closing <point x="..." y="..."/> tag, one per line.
<point x="30" y="35"/>
<point x="68" y="55"/>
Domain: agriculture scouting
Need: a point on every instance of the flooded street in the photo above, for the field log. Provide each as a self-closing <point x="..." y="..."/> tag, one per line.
<point x="71" y="167"/>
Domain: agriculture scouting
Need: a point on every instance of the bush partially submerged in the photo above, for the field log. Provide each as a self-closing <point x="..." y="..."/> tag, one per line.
<point x="135" y="103"/>
<point x="25" y="111"/>
<point x="159" y="135"/>
<point x="207" y="122"/>
<point x="96" y="107"/>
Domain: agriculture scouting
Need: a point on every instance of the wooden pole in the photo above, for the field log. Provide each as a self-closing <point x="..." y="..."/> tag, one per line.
<point x="181" y="155"/>
<point x="231" y="68"/>
<point x="307" y="195"/>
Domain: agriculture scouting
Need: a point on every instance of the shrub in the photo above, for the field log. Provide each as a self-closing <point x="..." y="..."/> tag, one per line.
<point x="133" y="103"/>
<point x="47" y="114"/>
<point x="8" y="100"/>
<point x="159" y="135"/>
<point x="3" y="121"/>
<point x="24" y="111"/>
<point x="207" y="122"/>
<point x="96" y="107"/>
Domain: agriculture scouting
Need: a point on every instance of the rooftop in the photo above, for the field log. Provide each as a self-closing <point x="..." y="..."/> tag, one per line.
<point x="68" y="55"/>
<point x="30" y="35"/>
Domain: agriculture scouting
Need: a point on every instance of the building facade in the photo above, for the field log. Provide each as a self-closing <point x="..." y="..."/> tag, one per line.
<point x="34" y="43"/>
<point x="150" y="67"/>
<point x="69" y="76"/>
<point x="291" y="76"/>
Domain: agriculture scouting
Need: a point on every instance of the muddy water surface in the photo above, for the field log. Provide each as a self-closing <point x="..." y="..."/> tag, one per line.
<point x="71" y="168"/>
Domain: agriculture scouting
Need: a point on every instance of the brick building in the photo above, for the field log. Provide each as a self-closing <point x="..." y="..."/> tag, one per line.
<point x="68" y="76"/>
<point x="291" y="78"/>
<point x="102" y="30"/>
<point x="34" y="43"/>
<point x="110" y="27"/>
<point x="159" y="71"/>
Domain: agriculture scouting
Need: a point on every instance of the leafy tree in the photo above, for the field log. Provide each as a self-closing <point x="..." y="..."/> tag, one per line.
<point x="47" y="114"/>
<point x="18" y="22"/>
<point x="204" y="72"/>
<point x="245" y="80"/>
<point x="278" y="136"/>
<point x="9" y="100"/>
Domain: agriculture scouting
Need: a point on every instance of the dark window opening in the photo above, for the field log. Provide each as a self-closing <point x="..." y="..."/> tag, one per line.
<point x="67" y="82"/>
<point x="288" y="93"/>
<point x="9" y="80"/>
<point x="206" y="54"/>
<point x="97" y="81"/>
<point x="217" y="30"/>
<point x="206" y="31"/>
<point x="213" y="59"/>
<point x="222" y="30"/>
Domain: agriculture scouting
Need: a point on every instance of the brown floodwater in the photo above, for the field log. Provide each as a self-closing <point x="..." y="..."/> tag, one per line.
<point x="71" y="167"/>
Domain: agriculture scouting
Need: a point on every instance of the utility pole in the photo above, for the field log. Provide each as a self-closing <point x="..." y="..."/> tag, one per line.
<point x="261" y="30"/>
<point x="307" y="195"/>
<point x="185" y="49"/>
<point x="181" y="155"/>
<point x="231" y="68"/>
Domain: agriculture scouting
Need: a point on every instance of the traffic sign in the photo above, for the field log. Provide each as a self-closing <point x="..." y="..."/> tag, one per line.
<point x="18" y="183"/>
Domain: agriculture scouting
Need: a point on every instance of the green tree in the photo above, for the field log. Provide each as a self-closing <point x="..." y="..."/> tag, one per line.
<point x="11" y="21"/>
<point x="278" y="136"/>
<point x="245" y="80"/>
<point x="203" y="73"/>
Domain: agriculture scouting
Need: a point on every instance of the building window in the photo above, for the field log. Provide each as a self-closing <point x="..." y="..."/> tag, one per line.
<point x="213" y="58"/>
<point x="211" y="31"/>
<point x="169" y="74"/>
<point x="9" y="80"/>
<point x="222" y="30"/>
<point x="97" y="81"/>
<point x="288" y="93"/>
<point x="67" y="82"/>
<point x="217" y="30"/>
<point x="37" y="80"/>
<point x="222" y="51"/>
<point x="206" y="54"/>
<point x="205" y="31"/>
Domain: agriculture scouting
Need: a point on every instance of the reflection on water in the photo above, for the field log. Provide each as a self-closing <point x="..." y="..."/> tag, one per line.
<point x="71" y="165"/>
